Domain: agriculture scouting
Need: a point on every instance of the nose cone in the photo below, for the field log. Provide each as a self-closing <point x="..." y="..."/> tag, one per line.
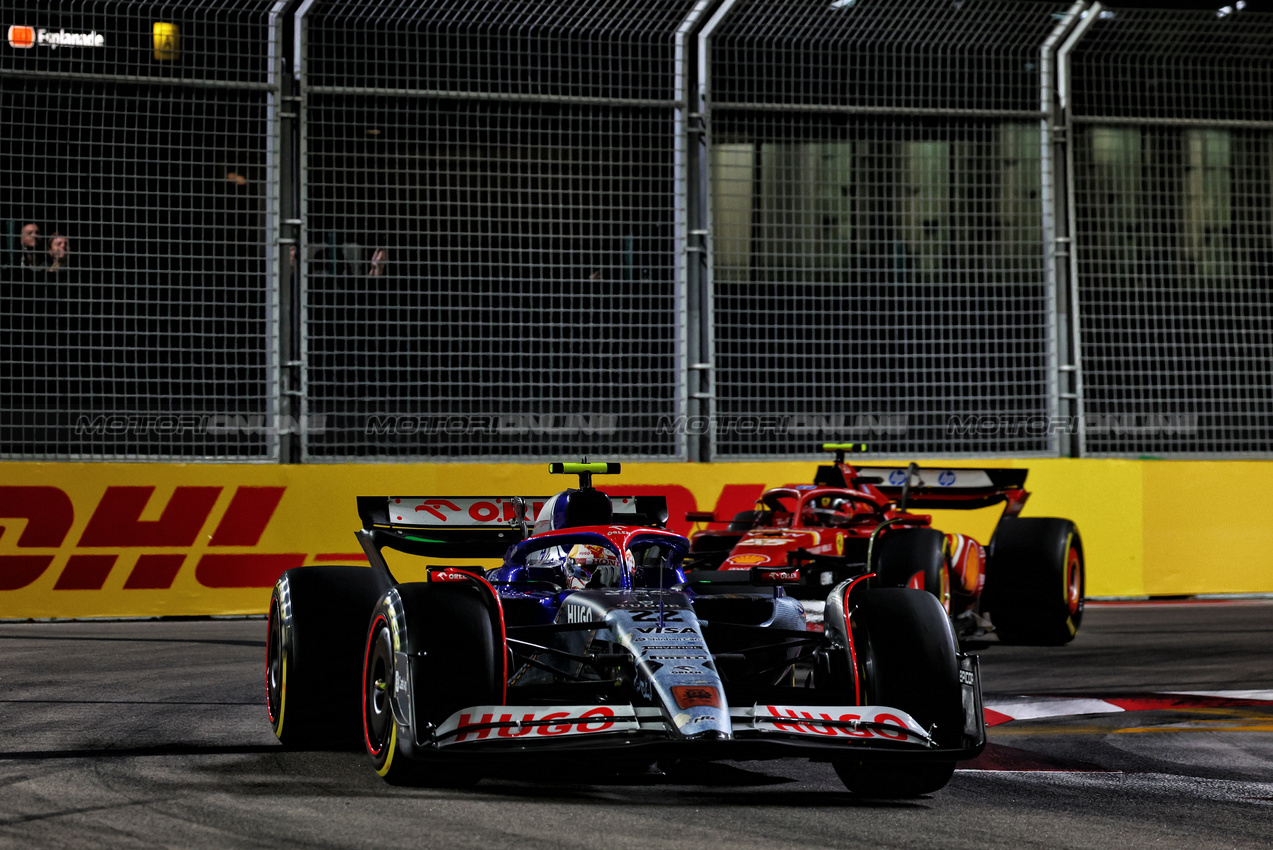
<point x="709" y="735"/>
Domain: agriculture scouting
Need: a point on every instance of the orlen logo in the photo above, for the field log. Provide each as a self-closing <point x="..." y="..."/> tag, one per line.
<point x="778" y="576"/>
<point x="116" y="531"/>
<point x="435" y="508"/>
<point x="21" y="36"/>
<point x="449" y="575"/>
<point x="459" y="511"/>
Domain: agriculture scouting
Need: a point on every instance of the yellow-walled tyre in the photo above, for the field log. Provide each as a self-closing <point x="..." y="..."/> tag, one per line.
<point x="380" y="731"/>
<point x="431" y="649"/>
<point x="313" y="653"/>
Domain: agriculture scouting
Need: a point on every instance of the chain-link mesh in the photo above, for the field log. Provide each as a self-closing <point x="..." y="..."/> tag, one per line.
<point x="135" y="137"/>
<point x="876" y="227"/>
<point x="499" y="214"/>
<point x="1173" y="191"/>
<point x="490" y="221"/>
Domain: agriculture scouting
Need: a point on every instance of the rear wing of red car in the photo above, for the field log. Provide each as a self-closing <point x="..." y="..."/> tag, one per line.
<point x="952" y="488"/>
<point x="475" y="526"/>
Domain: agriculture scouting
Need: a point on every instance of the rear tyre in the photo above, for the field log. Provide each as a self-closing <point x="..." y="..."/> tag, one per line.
<point x="313" y="653"/>
<point x="906" y="649"/>
<point x="454" y="663"/>
<point x="1035" y="581"/>
<point x="915" y="557"/>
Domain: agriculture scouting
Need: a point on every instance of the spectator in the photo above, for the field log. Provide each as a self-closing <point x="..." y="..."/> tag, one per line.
<point x="59" y="249"/>
<point x="33" y="255"/>
<point x="379" y="262"/>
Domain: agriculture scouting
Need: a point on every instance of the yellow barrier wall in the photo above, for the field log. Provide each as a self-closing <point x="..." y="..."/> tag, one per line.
<point x="131" y="540"/>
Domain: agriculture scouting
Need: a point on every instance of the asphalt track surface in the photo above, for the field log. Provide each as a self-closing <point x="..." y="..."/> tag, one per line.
<point x="150" y="734"/>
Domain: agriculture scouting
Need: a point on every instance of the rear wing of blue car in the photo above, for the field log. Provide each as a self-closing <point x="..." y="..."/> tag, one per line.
<point x="475" y="526"/>
<point x="448" y="526"/>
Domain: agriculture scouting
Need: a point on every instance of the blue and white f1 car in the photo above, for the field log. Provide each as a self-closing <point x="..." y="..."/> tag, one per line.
<point x="591" y="643"/>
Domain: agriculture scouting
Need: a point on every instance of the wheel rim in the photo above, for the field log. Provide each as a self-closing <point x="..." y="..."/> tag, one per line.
<point x="1073" y="580"/>
<point x="274" y="664"/>
<point x="377" y="714"/>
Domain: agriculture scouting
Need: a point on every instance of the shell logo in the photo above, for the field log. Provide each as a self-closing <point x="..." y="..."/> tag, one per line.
<point x="21" y="36"/>
<point x="741" y="560"/>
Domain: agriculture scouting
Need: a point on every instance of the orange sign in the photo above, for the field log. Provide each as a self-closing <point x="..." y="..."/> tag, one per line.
<point x="22" y="37"/>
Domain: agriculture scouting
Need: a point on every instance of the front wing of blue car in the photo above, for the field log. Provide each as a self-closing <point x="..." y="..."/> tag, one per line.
<point x="761" y="730"/>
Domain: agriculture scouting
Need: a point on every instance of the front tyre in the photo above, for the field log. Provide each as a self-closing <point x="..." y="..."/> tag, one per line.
<point x="380" y="731"/>
<point x="906" y="649"/>
<point x="445" y="655"/>
<point x="1035" y="581"/>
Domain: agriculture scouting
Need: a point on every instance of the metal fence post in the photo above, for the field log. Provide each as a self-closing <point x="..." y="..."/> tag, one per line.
<point x="693" y="245"/>
<point x="282" y="222"/>
<point x="1079" y="447"/>
<point x="1064" y="357"/>
<point x="706" y="366"/>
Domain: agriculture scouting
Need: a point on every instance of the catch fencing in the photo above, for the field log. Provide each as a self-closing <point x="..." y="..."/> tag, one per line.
<point x="1171" y="117"/>
<point x="322" y="231"/>
<point x="878" y="227"/>
<point x="491" y="203"/>
<point x="156" y="156"/>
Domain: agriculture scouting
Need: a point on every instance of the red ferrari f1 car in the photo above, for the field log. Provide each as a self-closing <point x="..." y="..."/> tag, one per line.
<point x="1026" y="586"/>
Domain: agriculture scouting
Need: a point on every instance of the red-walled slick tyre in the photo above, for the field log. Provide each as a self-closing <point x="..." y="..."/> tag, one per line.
<point x="453" y="659"/>
<point x="906" y="647"/>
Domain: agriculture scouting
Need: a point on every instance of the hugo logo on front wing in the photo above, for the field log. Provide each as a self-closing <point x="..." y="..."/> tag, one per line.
<point x="115" y="528"/>
<point x="480" y="723"/>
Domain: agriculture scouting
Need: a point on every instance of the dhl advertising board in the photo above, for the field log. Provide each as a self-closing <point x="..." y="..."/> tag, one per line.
<point x="142" y="540"/>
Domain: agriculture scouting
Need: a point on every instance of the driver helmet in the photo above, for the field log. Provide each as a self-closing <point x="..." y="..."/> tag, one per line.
<point x="594" y="566"/>
<point x="829" y="511"/>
